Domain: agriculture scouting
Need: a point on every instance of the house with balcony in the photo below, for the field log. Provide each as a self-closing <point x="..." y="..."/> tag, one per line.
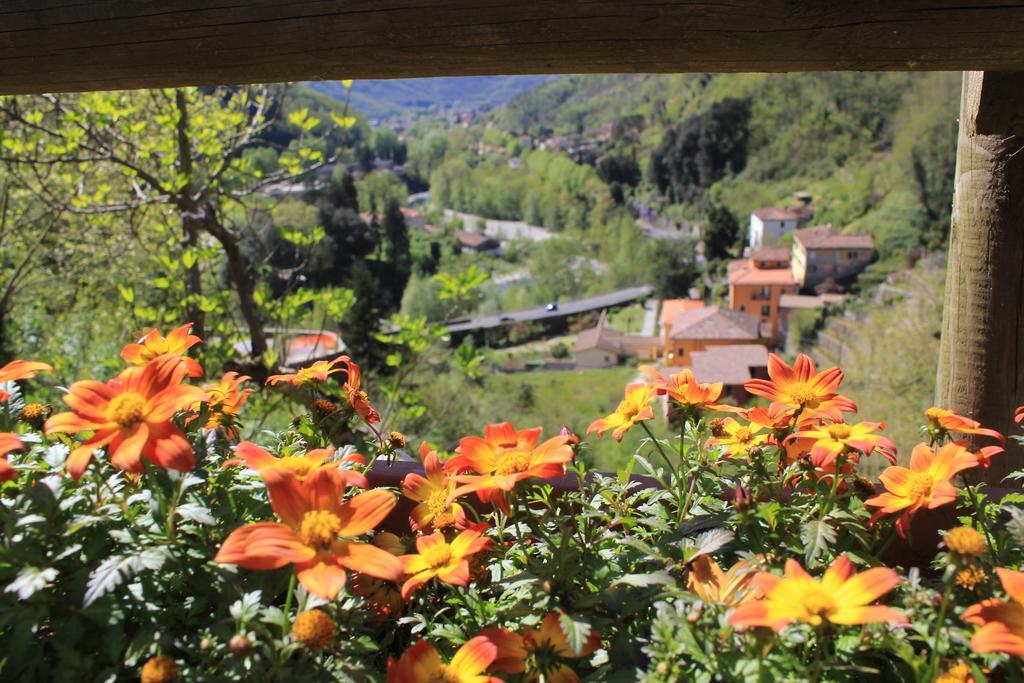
<point x="757" y="283"/>
<point x="821" y="253"/>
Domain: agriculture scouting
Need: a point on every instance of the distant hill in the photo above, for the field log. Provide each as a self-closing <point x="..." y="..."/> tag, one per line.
<point x="384" y="98"/>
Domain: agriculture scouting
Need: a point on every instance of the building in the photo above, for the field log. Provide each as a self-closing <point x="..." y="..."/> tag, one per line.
<point x="702" y="328"/>
<point x="756" y="285"/>
<point x="732" y="366"/>
<point x="603" y="347"/>
<point x="769" y="224"/>
<point x="821" y="253"/>
<point x="801" y="302"/>
<point x="477" y="243"/>
<point x="670" y="308"/>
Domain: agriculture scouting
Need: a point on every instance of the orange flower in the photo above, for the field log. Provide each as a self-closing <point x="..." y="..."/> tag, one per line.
<point x="436" y="507"/>
<point x="947" y="421"/>
<point x="18" y="370"/>
<point x="737" y="438"/>
<point x="313" y="374"/>
<point x="316" y="534"/>
<point x="841" y="597"/>
<point x="801" y="386"/>
<point x="8" y="442"/>
<point x="985" y="454"/>
<point x="540" y="654"/>
<point x="272" y="469"/>
<point x="357" y="398"/>
<point x="926" y="484"/>
<point x="832" y="439"/>
<point x="421" y="664"/>
<point x="131" y="415"/>
<point x="729" y="588"/>
<point x="154" y="345"/>
<point x="684" y="388"/>
<point x="634" y="408"/>
<point x="776" y="416"/>
<point x="383" y="597"/>
<point x="1018" y="414"/>
<point x="448" y="562"/>
<point x="1001" y="621"/>
<point x="226" y="399"/>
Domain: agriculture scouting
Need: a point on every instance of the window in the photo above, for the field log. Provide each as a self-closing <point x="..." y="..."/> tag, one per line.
<point x="766" y="310"/>
<point x="764" y="291"/>
<point x="852" y="255"/>
<point x="743" y="308"/>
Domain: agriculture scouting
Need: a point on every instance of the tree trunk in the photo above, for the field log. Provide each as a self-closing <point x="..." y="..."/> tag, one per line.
<point x="981" y="358"/>
<point x="191" y="220"/>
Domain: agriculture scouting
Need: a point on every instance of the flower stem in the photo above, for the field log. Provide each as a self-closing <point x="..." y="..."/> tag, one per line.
<point x="286" y="624"/>
<point x="933" y="660"/>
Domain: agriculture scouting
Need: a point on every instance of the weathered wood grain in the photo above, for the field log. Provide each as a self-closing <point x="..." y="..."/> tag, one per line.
<point x="65" y="45"/>
<point x="981" y="359"/>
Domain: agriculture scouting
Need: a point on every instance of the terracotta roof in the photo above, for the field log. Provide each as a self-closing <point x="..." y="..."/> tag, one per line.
<point x="603" y="338"/>
<point x="771" y="213"/>
<point x="474" y="240"/>
<point x="728" y="364"/>
<point x="772" y="254"/>
<point x="747" y="274"/>
<point x="805" y="301"/>
<point x="671" y="307"/>
<point x="825" y="237"/>
<point x="715" y="323"/>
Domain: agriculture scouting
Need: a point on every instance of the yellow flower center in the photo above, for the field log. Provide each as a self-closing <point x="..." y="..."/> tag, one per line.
<point x="970" y="577"/>
<point x="933" y="415"/>
<point x="314" y="629"/>
<point x="437" y="555"/>
<point x="444" y="675"/>
<point x="127" y="409"/>
<point x="921" y="484"/>
<point x="965" y="541"/>
<point x="817" y="605"/>
<point x="839" y="431"/>
<point x="743" y="435"/>
<point x="439" y="506"/>
<point x="958" y="673"/>
<point x="319" y="528"/>
<point x="297" y="465"/>
<point x="513" y="463"/>
<point x="802" y="394"/>
<point x="305" y="375"/>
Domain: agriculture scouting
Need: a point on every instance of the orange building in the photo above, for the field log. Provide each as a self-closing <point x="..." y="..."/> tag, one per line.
<point x="702" y="328"/>
<point x="670" y="308"/>
<point x="756" y="285"/>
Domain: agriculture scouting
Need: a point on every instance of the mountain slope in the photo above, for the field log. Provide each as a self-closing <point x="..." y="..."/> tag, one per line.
<point x="382" y="98"/>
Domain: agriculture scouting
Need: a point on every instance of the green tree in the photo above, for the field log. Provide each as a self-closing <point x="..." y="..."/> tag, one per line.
<point x="671" y="266"/>
<point x="719" y="232"/>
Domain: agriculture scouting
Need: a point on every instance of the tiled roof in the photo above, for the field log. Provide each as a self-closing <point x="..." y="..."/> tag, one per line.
<point x="715" y="323"/>
<point x="771" y="213"/>
<point x="728" y="364"/>
<point x="745" y="273"/>
<point x="600" y="337"/>
<point x="825" y="237"/>
<point x="671" y="307"/>
<point x="772" y="254"/>
<point x="474" y="240"/>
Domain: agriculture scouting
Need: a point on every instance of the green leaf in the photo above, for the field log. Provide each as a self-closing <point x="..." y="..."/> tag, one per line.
<point x="30" y="580"/>
<point x="659" y="578"/>
<point x="127" y="293"/>
<point x="576" y="633"/>
<point x="816" y="535"/>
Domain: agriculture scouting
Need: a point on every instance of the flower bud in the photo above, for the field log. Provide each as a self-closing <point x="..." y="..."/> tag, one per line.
<point x="314" y="629"/>
<point x="240" y="646"/>
<point x="160" y="669"/>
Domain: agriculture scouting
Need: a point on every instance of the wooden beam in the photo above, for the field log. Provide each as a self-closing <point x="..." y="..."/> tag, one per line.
<point x="67" y="45"/>
<point x="981" y="358"/>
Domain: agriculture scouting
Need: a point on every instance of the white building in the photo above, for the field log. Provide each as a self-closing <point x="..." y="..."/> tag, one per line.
<point x="769" y="224"/>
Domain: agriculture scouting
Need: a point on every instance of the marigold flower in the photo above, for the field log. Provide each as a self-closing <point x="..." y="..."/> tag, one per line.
<point x="422" y="664"/>
<point x="634" y="408"/>
<point x="803" y="387"/>
<point x="35" y="414"/>
<point x="959" y="672"/>
<point x="312" y="374"/>
<point x="18" y="370"/>
<point x="301" y="465"/>
<point x="130" y="415"/>
<point x="1001" y="621"/>
<point x="965" y="542"/>
<point x="947" y="421"/>
<point x="711" y="584"/>
<point x="832" y="439"/>
<point x="225" y="398"/>
<point x="8" y="442"/>
<point x="315" y="534"/>
<point x="841" y="597"/>
<point x="436" y="507"/>
<point x="448" y="562"/>
<point x="970" y="577"/>
<point x="684" y="389"/>
<point x="154" y="345"/>
<point x="160" y="669"/>
<point x="737" y="438"/>
<point x="925" y="484"/>
<point x="314" y="629"/>
<point x="500" y="472"/>
<point x="540" y="654"/>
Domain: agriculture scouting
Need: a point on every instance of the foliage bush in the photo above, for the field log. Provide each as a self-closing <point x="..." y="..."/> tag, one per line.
<point x="139" y="537"/>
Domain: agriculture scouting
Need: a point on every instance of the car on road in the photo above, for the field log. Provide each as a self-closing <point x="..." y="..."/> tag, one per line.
<point x="553" y="306"/>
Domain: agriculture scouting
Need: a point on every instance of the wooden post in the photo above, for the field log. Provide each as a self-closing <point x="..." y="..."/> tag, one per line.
<point x="981" y="358"/>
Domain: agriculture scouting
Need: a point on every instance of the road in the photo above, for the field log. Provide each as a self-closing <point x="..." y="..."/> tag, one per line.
<point x="594" y="303"/>
<point x="499" y="230"/>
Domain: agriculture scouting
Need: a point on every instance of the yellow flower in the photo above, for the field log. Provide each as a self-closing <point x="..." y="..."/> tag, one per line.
<point x="736" y="437"/>
<point x="970" y="577"/>
<point x="634" y="408"/>
<point x="314" y="629"/>
<point x="957" y="673"/>
<point x="965" y="542"/>
<point x="729" y="588"/>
